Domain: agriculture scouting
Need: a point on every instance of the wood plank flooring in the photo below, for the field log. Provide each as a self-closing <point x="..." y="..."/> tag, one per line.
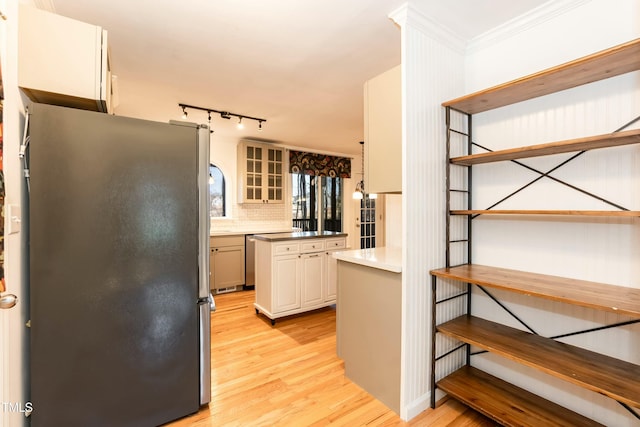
<point x="289" y="375"/>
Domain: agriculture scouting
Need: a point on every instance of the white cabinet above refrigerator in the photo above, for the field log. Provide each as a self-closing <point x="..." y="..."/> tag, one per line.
<point x="62" y="61"/>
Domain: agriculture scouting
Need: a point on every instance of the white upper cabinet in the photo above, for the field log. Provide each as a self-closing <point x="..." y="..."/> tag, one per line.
<point x="383" y="133"/>
<point x="260" y="173"/>
<point x="62" y="61"/>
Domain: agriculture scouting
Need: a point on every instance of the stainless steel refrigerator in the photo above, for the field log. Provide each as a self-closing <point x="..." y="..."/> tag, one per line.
<point x="118" y="268"/>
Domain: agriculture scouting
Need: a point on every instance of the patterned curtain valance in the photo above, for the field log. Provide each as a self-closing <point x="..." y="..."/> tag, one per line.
<point x="319" y="164"/>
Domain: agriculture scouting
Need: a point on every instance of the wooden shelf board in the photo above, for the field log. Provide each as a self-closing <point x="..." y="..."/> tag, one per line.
<point x="567" y="146"/>
<point x="507" y="404"/>
<point x="601" y="65"/>
<point x="594" y="371"/>
<point x="600" y="296"/>
<point x="545" y="212"/>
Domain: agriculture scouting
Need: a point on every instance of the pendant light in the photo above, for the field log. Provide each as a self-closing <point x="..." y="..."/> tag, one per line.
<point x="359" y="192"/>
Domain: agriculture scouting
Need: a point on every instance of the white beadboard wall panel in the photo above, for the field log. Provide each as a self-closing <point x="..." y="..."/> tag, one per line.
<point x="583" y="29"/>
<point x="432" y="72"/>
<point x="589" y="248"/>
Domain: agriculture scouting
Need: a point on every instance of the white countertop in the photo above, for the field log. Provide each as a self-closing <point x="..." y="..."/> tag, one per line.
<point x="274" y="237"/>
<point x="389" y="259"/>
<point x="231" y="232"/>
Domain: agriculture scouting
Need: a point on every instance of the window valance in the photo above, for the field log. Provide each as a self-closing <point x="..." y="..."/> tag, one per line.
<point x="319" y="164"/>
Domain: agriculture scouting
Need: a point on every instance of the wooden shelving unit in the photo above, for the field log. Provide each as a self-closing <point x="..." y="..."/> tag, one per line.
<point x="485" y="393"/>
<point x="602" y="374"/>
<point x="567" y="146"/>
<point x="594" y="371"/>
<point x="599" y="296"/>
<point x="544" y="212"/>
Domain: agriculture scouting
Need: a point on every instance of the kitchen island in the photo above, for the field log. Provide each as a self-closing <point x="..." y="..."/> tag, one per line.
<point x="295" y="272"/>
<point x="368" y="324"/>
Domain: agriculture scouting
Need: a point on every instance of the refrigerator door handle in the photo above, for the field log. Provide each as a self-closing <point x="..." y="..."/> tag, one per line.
<point x="205" y="351"/>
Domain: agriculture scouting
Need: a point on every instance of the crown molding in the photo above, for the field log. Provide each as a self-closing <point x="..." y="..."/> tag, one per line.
<point x="408" y="15"/>
<point x="45" y="5"/>
<point x="533" y="18"/>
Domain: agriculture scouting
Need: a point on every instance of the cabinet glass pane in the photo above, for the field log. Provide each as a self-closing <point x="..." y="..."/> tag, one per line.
<point x="250" y="180"/>
<point x="279" y="168"/>
<point x="258" y="181"/>
<point x="271" y="168"/>
<point x="258" y="194"/>
<point x="271" y="194"/>
<point x="249" y="152"/>
<point x="249" y="166"/>
<point x="278" y="194"/>
<point x="250" y="193"/>
<point x="258" y="166"/>
<point x="279" y="181"/>
<point x="272" y="155"/>
<point x="271" y="181"/>
<point x="258" y="153"/>
<point x="279" y="155"/>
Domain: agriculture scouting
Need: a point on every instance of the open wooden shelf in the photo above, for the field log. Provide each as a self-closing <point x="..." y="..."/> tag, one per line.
<point x="611" y="62"/>
<point x="567" y="146"/>
<point x="600" y="296"/>
<point x="507" y="404"/>
<point x="594" y="371"/>
<point x="544" y="212"/>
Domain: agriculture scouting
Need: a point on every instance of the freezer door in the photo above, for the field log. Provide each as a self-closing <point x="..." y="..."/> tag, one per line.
<point x="113" y="228"/>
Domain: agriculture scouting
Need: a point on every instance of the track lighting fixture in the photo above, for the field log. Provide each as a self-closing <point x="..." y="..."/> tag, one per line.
<point x="223" y="114"/>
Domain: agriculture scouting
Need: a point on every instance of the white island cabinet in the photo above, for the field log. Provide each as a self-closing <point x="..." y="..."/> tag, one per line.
<point x="295" y="272"/>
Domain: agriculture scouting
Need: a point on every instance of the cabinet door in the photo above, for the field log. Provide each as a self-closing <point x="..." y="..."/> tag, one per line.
<point x="286" y="279"/>
<point x="274" y="175"/>
<point x="332" y="278"/>
<point x="383" y="132"/>
<point x="61" y="61"/>
<point x="313" y="278"/>
<point x="212" y="265"/>
<point x="228" y="266"/>
<point x="252" y="179"/>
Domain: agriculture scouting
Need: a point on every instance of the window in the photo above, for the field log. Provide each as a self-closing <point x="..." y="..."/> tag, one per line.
<point x="316" y="202"/>
<point x="217" y="208"/>
<point x="367" y="222"/>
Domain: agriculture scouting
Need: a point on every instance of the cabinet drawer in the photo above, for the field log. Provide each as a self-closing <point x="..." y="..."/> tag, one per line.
<point x="314" y="245"/>
<point x="286" y="248"/>
<point x="222" y="241"/>
<point x="340" y="243"/>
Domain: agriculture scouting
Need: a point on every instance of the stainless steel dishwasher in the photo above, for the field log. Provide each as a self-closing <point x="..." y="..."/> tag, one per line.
<point x="249" y="262"/>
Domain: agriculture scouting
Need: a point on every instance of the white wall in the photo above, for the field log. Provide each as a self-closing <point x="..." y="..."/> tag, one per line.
<point x="393" y="220"/>
<point x="13" y="333"/>
<point x="602" y="250"/>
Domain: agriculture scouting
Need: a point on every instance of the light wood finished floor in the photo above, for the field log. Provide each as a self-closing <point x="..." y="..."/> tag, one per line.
<point x="289" y="375"/>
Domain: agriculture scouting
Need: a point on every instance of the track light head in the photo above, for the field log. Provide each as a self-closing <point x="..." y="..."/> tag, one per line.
<point x="240" y="124"/>
<point x="225" y="115"/>
<point x="184" y="113"/>
<point x="260" y="125"/>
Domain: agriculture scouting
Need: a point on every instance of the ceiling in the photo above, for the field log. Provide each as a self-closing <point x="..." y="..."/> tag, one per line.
<point x="300" y="65"/>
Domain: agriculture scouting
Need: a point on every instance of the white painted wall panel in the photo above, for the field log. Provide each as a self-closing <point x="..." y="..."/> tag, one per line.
<point x="431" y="72"/>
